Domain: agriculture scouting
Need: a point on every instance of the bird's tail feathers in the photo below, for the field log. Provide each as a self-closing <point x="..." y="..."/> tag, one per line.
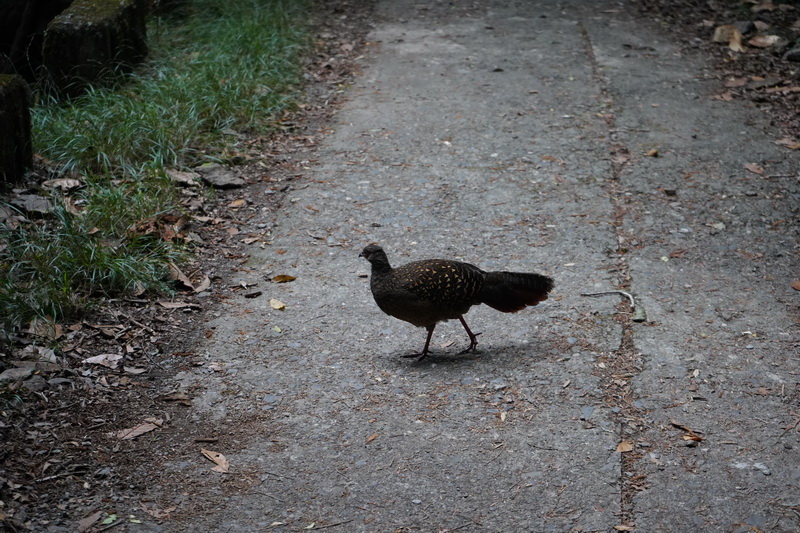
<point x="510" y="292"/>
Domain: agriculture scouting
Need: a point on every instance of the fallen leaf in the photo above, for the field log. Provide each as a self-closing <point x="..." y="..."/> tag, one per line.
<point x="372" y="438"/>
<point x="783" y="90"/>
<point x="652" y="153"/>
<point x="134" y="370"/>
<point x="203" y="285"/>
<point x="254" y="294"/>
<point x="222" y="464"/>
<point x="796" y="284"/>
<point x="89" y="521"/>
<point x="155" y="512"/>
<point x="131" y="433"/>
<point x="283" y="278"/>
<point x="62" y="184"/>
<point x="625" y="446"/>
<point x="277" y="304"/>
<point x="240" y="202"/>
<point x="754" y="168"/>
<point x="725" y="97"/>
<point x="729" y="34"/>
<point x="178" y="305"/>
<point x="763" y="41"/>
<point x="180" y="397"/>
<point x="766" y="5"/>
<point x="110" y="360"/>
<point x="175" y="274"/>
<point x="736" y="82"/>
<point x="624" y="528"/>
<point x="791" y="144"/>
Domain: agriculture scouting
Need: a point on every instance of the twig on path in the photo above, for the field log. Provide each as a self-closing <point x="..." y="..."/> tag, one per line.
<point x="333" y="525"/>
<point x="639" y="314"/>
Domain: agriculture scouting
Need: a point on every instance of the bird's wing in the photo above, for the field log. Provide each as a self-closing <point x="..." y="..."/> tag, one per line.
<point x="441" y="281"/>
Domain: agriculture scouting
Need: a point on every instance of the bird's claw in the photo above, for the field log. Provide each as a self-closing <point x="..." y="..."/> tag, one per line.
<point x="473" y="343"/>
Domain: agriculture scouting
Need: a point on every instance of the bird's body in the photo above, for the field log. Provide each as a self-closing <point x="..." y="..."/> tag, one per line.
<point x="424" y="293"/>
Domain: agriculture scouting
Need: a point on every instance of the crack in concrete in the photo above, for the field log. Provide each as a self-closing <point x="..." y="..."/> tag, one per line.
<point x="617" y="368"/>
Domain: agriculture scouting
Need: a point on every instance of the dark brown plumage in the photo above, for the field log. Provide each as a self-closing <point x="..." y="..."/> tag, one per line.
<point x="430" y="291"/>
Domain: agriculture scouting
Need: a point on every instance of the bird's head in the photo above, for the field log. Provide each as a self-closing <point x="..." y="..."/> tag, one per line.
<point x="375" y="255"/>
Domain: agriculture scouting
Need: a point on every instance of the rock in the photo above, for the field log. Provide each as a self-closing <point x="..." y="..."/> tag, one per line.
<point x="32" y="204"/>
<point x="792" y="55"/>
<point x="184" y="179"/>
<point x="13" y="374"/>
<point x="745" y="26"/>
<point x="92" y="38"/>
<point x="219" y="177"/>
<point x="35" y="383"/>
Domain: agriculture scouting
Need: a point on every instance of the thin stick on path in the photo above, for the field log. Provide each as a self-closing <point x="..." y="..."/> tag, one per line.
<point x="639" y="314"/>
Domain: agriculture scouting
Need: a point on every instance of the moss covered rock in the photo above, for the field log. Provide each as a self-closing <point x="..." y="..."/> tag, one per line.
<point x="94" y="39"/>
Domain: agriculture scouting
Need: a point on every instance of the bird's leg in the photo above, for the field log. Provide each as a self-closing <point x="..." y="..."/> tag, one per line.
<point x="424" y="353"/>
<point x="473" y="337"/>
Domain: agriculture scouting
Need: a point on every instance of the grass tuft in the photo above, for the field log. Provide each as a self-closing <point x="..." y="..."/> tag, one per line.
<point x="217" y="65"/>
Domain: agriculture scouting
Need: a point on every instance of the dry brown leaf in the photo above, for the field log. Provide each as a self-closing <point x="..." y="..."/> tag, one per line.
<point x="222" y="464"/>
<point x="240" y="202"/>
<point x="729" y="34"/>
<point x="109" y="360"/>
<point x="62" y="184"/>
<point x="175" y="274"/>
<point x="782" y="90"/>
<point x="155" y="512"/>
<point x="89" y="521"/>
<point x="283" y="278"/>
<point x="736" y="82"/>
<point x="277" y="304"/>
<point x="625" y="446"/>
<point x="725" y="97"/>
<point x="148" y="425"/>
<point x="692" y="437"/>
<point x="764" y="41"/>
<point x="652" y="152"/>
<point x="791" y="144"/>
<point x="180" y="397"/>
<point x="177" y="305"/>
<point x="372" y="438"/>
<point x="203" y="285"/>
<point x="796" y="284"/>
<point x="624" y="528"/>
<point x="754" y="168"/>
<point x="766" y="5"/>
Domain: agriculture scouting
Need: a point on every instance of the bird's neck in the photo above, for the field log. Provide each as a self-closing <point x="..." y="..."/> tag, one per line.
<point x="381" y="266"/>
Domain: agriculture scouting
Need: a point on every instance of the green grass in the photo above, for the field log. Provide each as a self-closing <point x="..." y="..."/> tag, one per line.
<point x="231" y="64"/>
<point x="219" y="65"/>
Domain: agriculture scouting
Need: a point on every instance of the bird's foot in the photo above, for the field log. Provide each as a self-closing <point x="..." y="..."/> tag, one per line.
<point x="473" y="343"/>
<point x="419" y="356"/>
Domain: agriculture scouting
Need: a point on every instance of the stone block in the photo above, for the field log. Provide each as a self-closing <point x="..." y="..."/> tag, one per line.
<point x="16" y="153"/>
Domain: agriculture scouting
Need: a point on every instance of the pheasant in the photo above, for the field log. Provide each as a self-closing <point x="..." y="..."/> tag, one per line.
<point x="424" y="293"/>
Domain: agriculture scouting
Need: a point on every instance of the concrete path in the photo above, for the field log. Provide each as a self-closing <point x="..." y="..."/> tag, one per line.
<point x="515" y="135"/>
